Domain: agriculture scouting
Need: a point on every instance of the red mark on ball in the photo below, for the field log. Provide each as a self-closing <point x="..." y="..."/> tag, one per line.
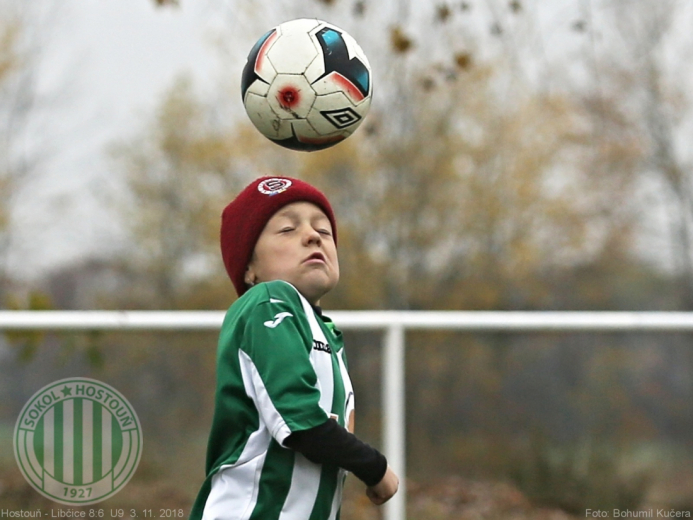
<point x="351" y="90"/>
<point x="262" y="53"/>
<point x="288" y="97"/>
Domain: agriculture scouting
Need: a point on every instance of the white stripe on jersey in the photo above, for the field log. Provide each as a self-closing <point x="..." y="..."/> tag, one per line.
<point x="260" y="439"/>
<point x="231" y="498"/>
<point x="321" y="361"/>
<point x="305" y="483"/>
<point x="337" y="500"/>
<point x="348" y="389"/>
<point x="255" y="388"/>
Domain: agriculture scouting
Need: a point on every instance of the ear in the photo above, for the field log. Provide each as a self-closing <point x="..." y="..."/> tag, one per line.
<point x="250" y="277"/>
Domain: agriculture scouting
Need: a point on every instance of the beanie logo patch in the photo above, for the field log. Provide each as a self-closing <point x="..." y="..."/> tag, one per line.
<point x="274" y="186"/>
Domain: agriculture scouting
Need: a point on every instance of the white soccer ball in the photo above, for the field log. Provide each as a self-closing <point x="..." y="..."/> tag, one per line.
<point x="307" y="85"/>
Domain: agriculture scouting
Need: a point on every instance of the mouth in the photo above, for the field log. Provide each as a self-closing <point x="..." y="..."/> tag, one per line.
<point x="315" y="257"/>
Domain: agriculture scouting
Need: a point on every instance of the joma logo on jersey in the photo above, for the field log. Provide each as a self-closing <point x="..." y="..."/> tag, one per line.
<point x="78" y="441"/>
<point x="322" y="347"/>
<point x="278" y="318"/>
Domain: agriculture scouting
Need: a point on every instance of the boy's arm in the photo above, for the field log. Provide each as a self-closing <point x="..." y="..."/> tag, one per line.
<point x="330" y="443"/>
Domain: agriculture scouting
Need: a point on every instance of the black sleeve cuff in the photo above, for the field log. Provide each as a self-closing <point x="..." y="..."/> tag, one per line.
<point x="330" y="443"/>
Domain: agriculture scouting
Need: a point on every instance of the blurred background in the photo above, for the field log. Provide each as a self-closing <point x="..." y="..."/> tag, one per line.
<point x="519" y="155"/>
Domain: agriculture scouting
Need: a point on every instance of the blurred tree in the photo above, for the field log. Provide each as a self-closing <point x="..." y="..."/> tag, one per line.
<point x="25" y="31"/>
<point x="641" y="94"/>
<point x="468" y="209"/>
<point x="8" y="63"/>
<point x="640" y="97"/>
<point x="16" y="97"/>
<point x="484" y="203"/>
<point x="179" y="174"/>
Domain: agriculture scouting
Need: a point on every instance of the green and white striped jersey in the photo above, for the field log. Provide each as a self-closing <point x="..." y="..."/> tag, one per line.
<point x="281" y="368"/>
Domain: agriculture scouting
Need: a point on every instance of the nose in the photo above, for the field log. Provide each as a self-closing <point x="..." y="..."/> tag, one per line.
<point x="311" y="236"/>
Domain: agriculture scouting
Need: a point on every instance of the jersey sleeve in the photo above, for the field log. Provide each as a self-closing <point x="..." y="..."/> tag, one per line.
<point x="277" y="370"/>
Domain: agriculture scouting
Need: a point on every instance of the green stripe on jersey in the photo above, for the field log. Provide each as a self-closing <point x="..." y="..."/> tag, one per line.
<point x="329" y="480"/>
<point x="275" y="482"/>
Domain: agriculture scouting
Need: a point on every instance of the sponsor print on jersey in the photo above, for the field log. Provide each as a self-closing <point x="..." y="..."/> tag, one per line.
<point x="321" y="346"/>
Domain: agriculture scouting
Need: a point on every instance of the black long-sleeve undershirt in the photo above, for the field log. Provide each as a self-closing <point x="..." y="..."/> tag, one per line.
<point x="330" y="443"/>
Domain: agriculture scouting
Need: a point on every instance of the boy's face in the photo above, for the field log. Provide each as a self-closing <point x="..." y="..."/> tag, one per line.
<point x="297" y="246"/>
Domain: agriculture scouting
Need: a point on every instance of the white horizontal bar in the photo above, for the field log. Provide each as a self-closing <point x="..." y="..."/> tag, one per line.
<point x="111" y="320"/>
<point x="517" y="320"/>
<point x="360" y="320"/>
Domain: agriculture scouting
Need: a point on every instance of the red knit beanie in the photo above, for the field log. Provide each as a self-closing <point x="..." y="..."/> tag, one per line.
<point x="245" y="217"/>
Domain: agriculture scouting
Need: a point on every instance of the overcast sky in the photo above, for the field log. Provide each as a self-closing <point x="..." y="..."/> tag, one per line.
<point x="105" y="64"/>
<point x="103" y="67"/>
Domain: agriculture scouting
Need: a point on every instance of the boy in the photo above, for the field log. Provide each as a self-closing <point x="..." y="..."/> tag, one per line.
<point x="282" y="434"/>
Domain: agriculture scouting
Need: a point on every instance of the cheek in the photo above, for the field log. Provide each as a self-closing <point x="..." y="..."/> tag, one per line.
<point x="265" y="260"/>
<point x="272" y="264"/>
<point x="276" y="260"/>
<point x="335" y="262"/>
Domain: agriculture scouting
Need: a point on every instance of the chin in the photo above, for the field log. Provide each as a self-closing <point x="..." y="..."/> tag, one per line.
<point x="314" y="290"/>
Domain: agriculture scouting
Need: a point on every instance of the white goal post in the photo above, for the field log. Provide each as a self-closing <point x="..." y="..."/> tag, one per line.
<point x="393" y="323"/>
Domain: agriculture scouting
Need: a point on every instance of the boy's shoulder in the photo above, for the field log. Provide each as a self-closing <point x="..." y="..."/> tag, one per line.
<point x="274" y="292"/>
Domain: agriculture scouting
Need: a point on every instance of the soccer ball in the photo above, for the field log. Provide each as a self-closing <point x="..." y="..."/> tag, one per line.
<point x="306" y="85"/>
